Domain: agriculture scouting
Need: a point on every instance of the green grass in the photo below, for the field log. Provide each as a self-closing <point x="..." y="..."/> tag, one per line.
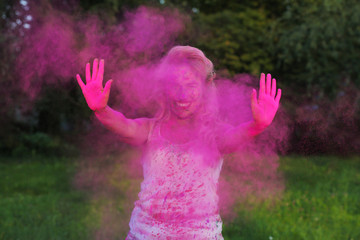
<point x="37" y="202"/>
<point x="321" y="201"/>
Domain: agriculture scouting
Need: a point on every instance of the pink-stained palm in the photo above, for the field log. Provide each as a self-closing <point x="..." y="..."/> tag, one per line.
<point x="95" y="95"/>
<point x="265" y="107"/>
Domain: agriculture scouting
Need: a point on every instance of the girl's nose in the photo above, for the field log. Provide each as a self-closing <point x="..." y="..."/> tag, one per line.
<point x="182" y="94"/>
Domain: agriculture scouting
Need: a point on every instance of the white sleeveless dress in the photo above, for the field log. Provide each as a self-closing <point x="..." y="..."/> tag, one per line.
<point x="178" y="197"/>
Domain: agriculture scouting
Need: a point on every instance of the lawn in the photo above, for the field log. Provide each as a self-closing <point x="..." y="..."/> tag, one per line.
<point x="37" y="202"/>
<point x="321" y="201"/>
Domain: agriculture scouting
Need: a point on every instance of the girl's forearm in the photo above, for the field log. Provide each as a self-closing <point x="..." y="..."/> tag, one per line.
<point x="250" y="129"/>
<point x="132" y="131"/>
<point x="114" y="120"/>
<point x="244" y="131"/>
<point x="236" y="136"/>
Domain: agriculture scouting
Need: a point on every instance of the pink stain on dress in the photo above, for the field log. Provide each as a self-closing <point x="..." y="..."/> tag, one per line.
<point x="178" y="198"/>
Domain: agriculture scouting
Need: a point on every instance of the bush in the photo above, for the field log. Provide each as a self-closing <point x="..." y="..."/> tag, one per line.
<point x="316" y="45"/>
<point x="325" y="125"/>
<point x="35" y="144"/>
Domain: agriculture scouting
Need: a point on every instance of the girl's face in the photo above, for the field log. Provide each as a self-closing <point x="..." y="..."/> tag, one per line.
<point x="184" y="91"/>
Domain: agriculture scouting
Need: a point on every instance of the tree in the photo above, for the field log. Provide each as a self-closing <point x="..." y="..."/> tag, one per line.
<point x="236" y="41"/>
<point x="316" y="44"/>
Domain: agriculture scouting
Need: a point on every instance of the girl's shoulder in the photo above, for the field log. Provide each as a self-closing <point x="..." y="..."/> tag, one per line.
<point x="152" y="124"/>
<point x="222" y="127"/>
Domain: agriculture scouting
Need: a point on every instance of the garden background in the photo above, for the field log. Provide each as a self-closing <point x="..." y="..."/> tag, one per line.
<point x="64" y="176"/>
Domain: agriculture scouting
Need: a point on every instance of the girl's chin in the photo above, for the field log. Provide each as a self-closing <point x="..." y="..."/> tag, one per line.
<point x="183" y="114"/>
<point x="183" y="117"/>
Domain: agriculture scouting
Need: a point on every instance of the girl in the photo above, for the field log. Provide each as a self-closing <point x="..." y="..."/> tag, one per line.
<point x="183" y="144"/>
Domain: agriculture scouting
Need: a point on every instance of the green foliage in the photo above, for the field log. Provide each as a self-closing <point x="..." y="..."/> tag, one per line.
<point x="311" y="46"/>
<point x="236" y="41"/>
<point x="316" y="44"/>
<point x="273" y="7"/>
<point x="47" y="127"/>
<point x="61" y="109"/>
<point x="325" y="125"/>
<point x="38" y="143"/>
<point x="111" y="10"/>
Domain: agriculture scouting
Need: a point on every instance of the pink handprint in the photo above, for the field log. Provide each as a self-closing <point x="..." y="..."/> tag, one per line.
<point x="265" y="108"/>
<point x="95" y="95"/>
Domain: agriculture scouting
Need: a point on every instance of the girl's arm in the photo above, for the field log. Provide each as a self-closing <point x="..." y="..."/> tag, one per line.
<point x="263" y="111"/>
<point x="133" y="131"/>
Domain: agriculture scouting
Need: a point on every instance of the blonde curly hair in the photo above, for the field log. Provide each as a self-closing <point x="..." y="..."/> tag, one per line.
<point x="195" y="58"/>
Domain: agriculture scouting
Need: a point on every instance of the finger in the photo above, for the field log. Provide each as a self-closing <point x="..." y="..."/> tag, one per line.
<point x="80" y="82"/>
<point x="253" y="98"/>
<point x="101" y="72"/>
<point x="262" y="85"/>
<point x="95" y="69"/>
<point x="268" y="83"/>
<point x="107" y="87"/>
<point x="273" y="88"/>
<point x="278" y="96"/>
<point x="87" y="73"/>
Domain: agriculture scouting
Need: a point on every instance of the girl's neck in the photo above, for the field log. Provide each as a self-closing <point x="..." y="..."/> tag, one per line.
<point x="179" y="131"/>
<point x="175" y="121"/>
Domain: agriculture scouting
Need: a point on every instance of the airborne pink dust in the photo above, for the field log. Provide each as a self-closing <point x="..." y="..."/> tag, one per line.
<point x="61" y="44"/>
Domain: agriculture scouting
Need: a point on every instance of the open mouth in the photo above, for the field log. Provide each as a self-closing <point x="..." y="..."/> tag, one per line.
<point x="182" y="104"/>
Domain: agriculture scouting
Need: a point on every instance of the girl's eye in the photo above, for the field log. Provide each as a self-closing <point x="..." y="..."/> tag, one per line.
<point x="192" y="86"/>
<point x="171" y="86"/>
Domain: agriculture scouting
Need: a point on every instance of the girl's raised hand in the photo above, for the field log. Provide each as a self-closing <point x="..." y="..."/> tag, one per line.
<point x="95" y="95"/>
<point x="265" y="108"/>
